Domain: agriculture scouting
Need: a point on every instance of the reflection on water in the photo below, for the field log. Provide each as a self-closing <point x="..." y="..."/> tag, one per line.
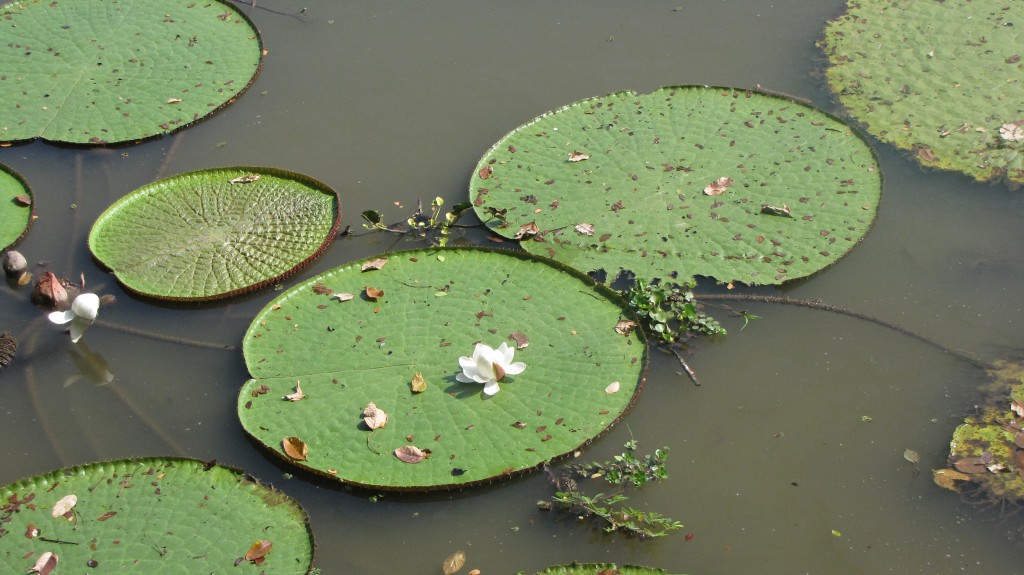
<point x="789" y="457"/>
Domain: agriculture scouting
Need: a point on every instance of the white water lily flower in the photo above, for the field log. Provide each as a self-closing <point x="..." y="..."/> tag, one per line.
<point x="81" y="315"/>
<point x="488" y="366"/>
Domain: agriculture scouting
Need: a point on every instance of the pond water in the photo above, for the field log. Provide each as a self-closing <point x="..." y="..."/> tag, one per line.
<point x="773" y="467"/>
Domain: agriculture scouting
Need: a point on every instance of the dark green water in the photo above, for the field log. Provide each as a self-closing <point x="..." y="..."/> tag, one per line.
<point x="395" y="101"/>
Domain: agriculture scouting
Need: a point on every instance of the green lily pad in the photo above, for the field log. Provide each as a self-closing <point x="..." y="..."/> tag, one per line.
<point x="436" y="305"/>
<point x="215" y="233"/>
<point x="151" y="515"/>
<point x="599" y="569"/>
<point x="17" y="207"/>
<point x="618" y="183"/>
<point x="942" y="79"/>
<point x="99" y="72"/>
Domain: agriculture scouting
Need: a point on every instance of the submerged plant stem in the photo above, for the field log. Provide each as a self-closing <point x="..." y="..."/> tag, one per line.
<point x="163" y="337"/>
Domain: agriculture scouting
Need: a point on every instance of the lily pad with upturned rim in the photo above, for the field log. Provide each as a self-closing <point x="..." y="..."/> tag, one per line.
<point x="16" y="214"/>
<point x="618" y="183"/>
<point x="215" y="233"/>
<point x="940" y="79"/>
<point x="154" y="516"/>
<point x="103" y="72"/>
<point x="436" y="305"/>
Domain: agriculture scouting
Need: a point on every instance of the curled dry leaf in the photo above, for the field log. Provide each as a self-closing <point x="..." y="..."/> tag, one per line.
<point x="258" y="552"/>
<point x="50" y="293"/>
<point x="454" y="562"/>
<point x="374" y="264"/>
<point x="173" y="100"/>
<point x="775" y="211"/>
<point x="625" y="326"/>
<point x="23" y="200"/>
<point x="373" y="293"/>
<point x="1012" y="131"/>
<point x="295" y="448"/>
<point x="245" y="179"/>
<point x="578" y="156"/>
<point x="298" y="395"/>
<point x="411" y="453"/>
<point x="613" y="387"/>
<point x="526" y="230"/>
<point x="374" y="417"/>
<point x="418" y="384"/>
<point x="64" y="506"/>
<point x="32" y="531"/>
<point x="45" y="564"/>
<point x="947" y="478"/>
<point x="520" y="339"/>
<point x="585" y="229"/>
<point x="970" y="465"/>
<point x="718" y="186"/>
<point x="911" y="456"/>
<point x="343" y="296"/>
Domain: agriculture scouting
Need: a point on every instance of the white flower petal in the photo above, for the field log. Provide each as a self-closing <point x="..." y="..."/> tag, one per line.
<point x="505" y="353"/>
<point x="466" y="362"/>
<point x="62" y="317"/>
<point x="492" y="388"/>
<point x="86" y="306"/>
<point x="515" y="368"/>
<point x="78" y="327"/>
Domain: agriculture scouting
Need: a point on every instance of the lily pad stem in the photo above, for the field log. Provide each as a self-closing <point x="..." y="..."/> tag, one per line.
<point x="164" y="337"/>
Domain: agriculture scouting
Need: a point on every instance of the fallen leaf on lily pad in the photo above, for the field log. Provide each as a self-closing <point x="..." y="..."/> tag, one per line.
<point x="373" y="293"/>
<point x="295" y="448"/>
<point x="526" y="230"/>
<point x="971" y="465"/>
<point x="585" y="229"/>
<point x="578" y="156"/>
<point x="718" y="186"/>
<point x="64" y="506"/>
<point x="298" y="395"/>
<point x="613" y="387"/>
<point x="245" y="179"/>
<point x="258" y="552"/>
<point x="374" y="264"/>
<point x="453" y="563"/>
<point x="625" y="326"/>
<point x="776" y="211"/>
<point x="343" y="296"/>
<point x="45" y="564"/>
<point x="411" y="454"/>
<point x="520" y="337"/>
<point x="418" y="384"/>
<point x="374" y="417"/>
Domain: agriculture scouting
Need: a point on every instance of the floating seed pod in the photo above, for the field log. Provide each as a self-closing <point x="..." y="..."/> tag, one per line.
<point x="50" y="293"/>
<point x="8" y="347"/>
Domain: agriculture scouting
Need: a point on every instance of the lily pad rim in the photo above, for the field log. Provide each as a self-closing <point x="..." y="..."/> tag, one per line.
<point x="856" y="129"/>
<point x="31" y="208"/>
<point x="133" y="142"/>
<point x="277" y="172"/>
<point x="602" y="289"/>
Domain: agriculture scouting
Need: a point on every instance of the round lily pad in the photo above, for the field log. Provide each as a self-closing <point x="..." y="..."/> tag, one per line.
<point x="98" y="72"/>
<point x="151" y="515"/>
<point x="215" y="233"/>
<point x="349" y="338"/>
<point x="732" y="184"/>
<point x="941" y="79"/>
<point x="599" y="569"/>
<point x="16" y="207"/>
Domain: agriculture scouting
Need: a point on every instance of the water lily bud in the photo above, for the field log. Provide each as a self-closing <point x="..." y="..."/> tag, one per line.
<point x="50" y="293"/>
<point x="15" y="263"/>
<point x="86" y="306"/>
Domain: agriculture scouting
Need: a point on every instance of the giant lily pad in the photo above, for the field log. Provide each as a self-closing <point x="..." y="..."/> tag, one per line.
<point x="152" y="515"/>
<point x="418" y="314"/>
<point x="599" y="569"/>
<point x="99" y="71"/>
<point x="16" y="207"/>
<point x="942" y="79"/>
<point x="214" y="233"/>
<point x="732" y="184"/>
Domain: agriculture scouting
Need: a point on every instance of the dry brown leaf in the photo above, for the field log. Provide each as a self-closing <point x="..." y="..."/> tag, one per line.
<point x="718" y="186"/>
<point x="64" y="506"/>
<point x="23" y="200"/>
<point x="776" y="211"/>
<point x="295" y="448"/>
<point x="245" y="179"/>
<point x="418" y="384"/>
<point x="298" y="395"/>
<point x="947" y="478"/>
<point x="613" y="387"/>
<point x="526" y="230"/>
<point x="520" y="338"/>
<point x="31" y="531"/>
<point x="585" y="229"/>
<point x="374" y="293"/>
<point x="625" y="326"/>
<point x="411" y="454"/>
<point x="374" y="417"/>
<point x="578" y="156"/>
<point x="45" y="564"/>
<point x="970" y="465"/>
<point x="374" y="264"/>
<point x="343" y="296"/>
<point x="258" y="551"/>
<point x="453" y="563"/>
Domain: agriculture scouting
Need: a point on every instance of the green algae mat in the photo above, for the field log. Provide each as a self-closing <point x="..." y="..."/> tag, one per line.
<point x="359" y="374"/>
<point x="686" y="181"/>
<point x="215" y="233"/>
<point x="113" y="71"/>
<point x="154" y="516"/>
<point x="943" y="80"/>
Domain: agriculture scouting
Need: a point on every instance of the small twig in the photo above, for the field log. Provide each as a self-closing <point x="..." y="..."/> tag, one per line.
<point x="682" y="362"/>
<point x="49" y="540"/>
